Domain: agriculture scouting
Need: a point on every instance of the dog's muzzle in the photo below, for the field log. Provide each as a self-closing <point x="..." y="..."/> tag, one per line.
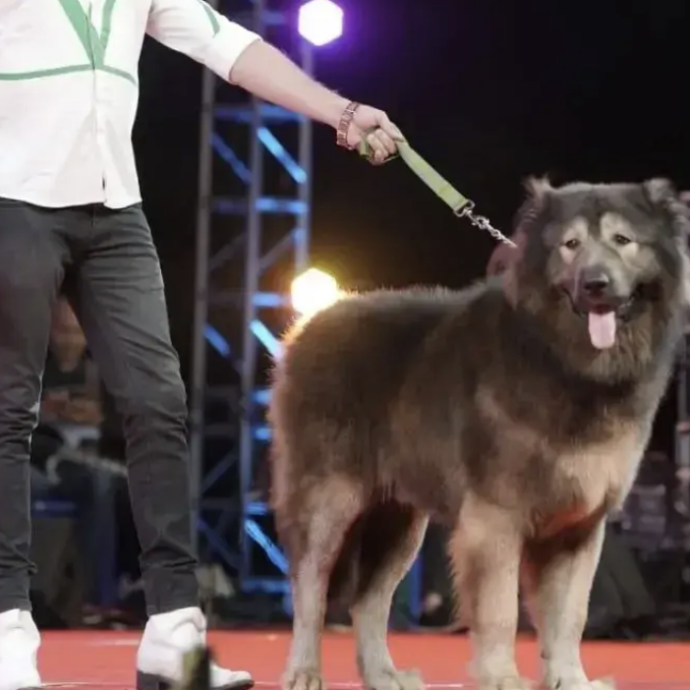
<point x="598" y="300"/>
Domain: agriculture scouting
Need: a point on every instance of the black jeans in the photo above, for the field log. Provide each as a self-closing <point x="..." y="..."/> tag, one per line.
<point x="107" y="264"/>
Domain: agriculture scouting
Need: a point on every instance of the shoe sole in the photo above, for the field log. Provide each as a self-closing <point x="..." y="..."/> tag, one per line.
<point x="147" y="681"/>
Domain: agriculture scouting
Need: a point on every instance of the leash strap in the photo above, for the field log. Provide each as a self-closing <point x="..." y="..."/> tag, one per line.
<point x="431" y="178"/>
<point x="461" y="206"/>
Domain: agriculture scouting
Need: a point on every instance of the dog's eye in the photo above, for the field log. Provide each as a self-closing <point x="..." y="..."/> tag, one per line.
<point x="621" y="240"/>
<point x="572" y="244"/>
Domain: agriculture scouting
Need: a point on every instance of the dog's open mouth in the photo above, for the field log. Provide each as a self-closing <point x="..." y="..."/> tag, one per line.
<point x="604" y="318"/>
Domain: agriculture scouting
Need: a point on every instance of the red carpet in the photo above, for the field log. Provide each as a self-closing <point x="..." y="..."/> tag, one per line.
<point x="92" y="660"/>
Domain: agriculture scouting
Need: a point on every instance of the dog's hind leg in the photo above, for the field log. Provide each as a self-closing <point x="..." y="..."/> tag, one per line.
<point x="485" y="551"/>
<point x="391" y="541"/>
<point x="328" y="510"/>
<point x="557" y="582"/>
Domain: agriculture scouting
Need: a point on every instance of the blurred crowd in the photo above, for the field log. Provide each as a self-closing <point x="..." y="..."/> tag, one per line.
<point x="78" y="472"/>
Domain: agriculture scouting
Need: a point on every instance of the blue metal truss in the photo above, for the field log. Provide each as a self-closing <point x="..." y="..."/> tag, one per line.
<point x="249" y="245"/>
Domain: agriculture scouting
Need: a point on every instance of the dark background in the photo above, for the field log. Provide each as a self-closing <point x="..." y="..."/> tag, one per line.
<point x="489" y="91"/>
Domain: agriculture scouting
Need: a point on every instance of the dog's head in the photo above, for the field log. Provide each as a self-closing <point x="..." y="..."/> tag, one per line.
<point x="604" y="269"/>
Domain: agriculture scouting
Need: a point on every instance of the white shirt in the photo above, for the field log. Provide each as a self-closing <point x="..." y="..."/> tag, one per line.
<point x="69" y="90"/>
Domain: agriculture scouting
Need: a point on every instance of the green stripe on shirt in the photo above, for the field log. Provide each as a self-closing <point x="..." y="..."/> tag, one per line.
<point x="40" y="73"/>
<point x="87" y="34"/>
<point x="215" y="24"/>
<point x="93" y="43"/>
<point x="69" y="69"/>
<point x="107" y="24"/>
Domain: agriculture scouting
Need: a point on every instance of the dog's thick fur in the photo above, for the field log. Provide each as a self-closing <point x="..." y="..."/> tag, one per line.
<point x="488" y="409"/>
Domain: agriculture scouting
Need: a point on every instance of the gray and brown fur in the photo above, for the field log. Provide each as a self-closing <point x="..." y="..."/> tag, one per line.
<point x="490" y="410"/>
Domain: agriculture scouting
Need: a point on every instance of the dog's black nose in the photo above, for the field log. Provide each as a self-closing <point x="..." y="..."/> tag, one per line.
<point x="595" y="282"/>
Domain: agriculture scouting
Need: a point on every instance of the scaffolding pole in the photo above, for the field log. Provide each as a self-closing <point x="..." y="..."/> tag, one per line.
<point x="253" y="229"/>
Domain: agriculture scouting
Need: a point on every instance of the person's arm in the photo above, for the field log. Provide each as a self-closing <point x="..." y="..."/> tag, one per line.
<point x="194" y="28"/>
<point x="241" y="57"/>
<point x="264" y="71"/>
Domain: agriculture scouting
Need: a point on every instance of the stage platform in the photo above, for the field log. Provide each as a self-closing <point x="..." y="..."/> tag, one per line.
<point x="98" y="660"/>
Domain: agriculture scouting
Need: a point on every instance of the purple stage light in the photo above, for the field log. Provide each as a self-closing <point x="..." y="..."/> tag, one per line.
<point x="320" y="21"/>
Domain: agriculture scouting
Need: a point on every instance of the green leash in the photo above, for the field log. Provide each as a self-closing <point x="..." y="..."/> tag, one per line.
<point x="461" y="206"/>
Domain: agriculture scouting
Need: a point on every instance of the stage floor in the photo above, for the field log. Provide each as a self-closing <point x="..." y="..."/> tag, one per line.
<point x="95" y="660"/>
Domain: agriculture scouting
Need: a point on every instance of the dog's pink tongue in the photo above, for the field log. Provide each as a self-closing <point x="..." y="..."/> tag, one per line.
<point x="602" y="330"/>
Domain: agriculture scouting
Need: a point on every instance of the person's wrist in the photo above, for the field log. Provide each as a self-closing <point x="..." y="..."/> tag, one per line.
<point x="336" y="110"/>
<point x="342" y="132"/>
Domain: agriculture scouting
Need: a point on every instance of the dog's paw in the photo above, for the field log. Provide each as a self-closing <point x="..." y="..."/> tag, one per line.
<point x="392" y="679"/>
<point x="303" y="679"/>
<point x="504" y="683"/>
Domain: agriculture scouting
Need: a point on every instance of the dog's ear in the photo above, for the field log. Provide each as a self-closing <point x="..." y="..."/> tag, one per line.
<point x="659" y="191"/>
<point x="538" y="188"/>
<point x="664" y="199"/>
<point x="539" y="191"/>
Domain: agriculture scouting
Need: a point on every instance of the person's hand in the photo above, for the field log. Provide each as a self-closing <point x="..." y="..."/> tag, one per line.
<point x="379" y="134"/>
<point x="53" y="404"/>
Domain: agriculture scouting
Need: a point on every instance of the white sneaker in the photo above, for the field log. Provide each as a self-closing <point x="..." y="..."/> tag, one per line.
<point x="167" y="637"/>
<point x="19" y="643"/>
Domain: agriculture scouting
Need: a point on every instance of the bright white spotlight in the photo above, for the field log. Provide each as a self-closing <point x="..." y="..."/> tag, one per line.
<point x="320" y="21"/>
<point x="313" y="291"/>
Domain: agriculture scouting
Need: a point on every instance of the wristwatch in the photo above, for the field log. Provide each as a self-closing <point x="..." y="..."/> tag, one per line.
<point x="344" y="124"/>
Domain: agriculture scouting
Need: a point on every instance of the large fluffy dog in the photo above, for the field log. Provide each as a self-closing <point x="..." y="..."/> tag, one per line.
<point x="516" y="411"/>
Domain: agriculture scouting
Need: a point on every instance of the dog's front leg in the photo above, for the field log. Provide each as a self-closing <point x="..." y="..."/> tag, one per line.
<point x="485" y="551"/>
<point x="558" y="583"/>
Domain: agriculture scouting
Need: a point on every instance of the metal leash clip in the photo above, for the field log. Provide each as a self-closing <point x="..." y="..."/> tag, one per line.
<point x="461" y="206"/>
<point x="482" y="222"/>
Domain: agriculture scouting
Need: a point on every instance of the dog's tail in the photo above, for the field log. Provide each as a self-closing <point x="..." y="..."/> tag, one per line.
<point x="196" y="670"/>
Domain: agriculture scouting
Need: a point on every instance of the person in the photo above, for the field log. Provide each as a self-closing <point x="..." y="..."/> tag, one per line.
<point x="70" y="207"/>
<point x="71" y="382"/>
<point x="69" y="417"/>
<point x="70" y="392"/>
